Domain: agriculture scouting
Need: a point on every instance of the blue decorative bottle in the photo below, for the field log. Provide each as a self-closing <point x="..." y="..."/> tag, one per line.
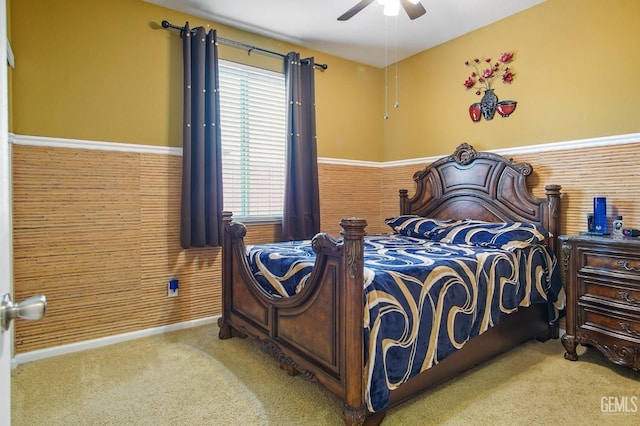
<point x="600" y="215"/>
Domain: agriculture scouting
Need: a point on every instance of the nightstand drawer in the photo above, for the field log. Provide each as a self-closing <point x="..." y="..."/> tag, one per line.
<point x="612" y="293"/>
<point x="610" y="263"/>
<point x="603" y="322"/>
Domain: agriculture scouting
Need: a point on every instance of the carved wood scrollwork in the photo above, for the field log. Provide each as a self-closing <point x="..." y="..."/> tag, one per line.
<point x="524" y="169"/>
<point x="353" y="232"/>
<point x="628" y="356"/>
<point x="236" y="230"/>
<point x="566" y="255"/>
<point x="352" y="259"/>
<point x="323" y="242"/>
<point x="464" y="154"/>
<point x="286" y="363"/>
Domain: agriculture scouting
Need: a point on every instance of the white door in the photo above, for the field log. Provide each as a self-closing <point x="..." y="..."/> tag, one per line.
<point x="6" y="275"/>
<point x="33" y="308"/>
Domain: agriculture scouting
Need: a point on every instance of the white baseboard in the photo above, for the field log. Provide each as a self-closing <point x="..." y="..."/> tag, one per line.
<point x="105" y="341"/>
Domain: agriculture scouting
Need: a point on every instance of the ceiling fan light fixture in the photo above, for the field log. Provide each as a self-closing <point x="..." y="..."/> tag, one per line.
<point x="413" y="8"/>
<point x="391" y="7"/>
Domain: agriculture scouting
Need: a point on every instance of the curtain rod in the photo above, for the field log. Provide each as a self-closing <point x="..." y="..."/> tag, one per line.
<point x="166" y="24"/>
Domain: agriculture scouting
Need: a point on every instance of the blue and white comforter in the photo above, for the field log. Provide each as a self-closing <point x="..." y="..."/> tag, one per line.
<point x="424" y="299"/>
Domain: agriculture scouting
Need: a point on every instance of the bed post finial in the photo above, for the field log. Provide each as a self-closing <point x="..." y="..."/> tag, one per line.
<point x="353" y="227"/>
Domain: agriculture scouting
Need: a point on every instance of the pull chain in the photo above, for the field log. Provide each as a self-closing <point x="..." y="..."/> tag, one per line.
<point x="396" y="105"/>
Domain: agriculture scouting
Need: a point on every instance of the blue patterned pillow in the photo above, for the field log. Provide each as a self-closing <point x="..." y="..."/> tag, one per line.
<point x="417" y="226"/>
<point x="502" y="235"/>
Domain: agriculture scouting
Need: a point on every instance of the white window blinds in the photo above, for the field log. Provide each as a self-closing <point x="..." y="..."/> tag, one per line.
<point x="253" y="126"/>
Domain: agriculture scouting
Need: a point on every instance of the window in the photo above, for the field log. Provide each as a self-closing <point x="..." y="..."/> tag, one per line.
<point x="253" y="128"/>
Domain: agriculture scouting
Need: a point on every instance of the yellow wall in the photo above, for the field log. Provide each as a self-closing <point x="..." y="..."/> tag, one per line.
<point x="107" y="71"/>
<point x="576" y="70"/>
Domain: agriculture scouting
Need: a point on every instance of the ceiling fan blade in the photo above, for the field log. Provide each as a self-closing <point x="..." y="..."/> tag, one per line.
<point x="413" y="10"/>
<point x="355" y="9"/>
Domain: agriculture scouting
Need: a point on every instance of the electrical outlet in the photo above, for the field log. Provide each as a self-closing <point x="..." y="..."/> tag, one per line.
<point x="172" y="288"/>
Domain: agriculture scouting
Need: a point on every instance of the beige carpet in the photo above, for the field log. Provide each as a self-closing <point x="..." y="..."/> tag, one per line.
<point x="190" y="377"/>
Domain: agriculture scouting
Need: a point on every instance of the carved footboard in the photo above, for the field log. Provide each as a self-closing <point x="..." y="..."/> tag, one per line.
<point x="318" y="332"/>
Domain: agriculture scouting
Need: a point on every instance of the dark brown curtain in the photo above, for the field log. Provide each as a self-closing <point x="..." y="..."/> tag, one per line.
<point x="301" y="215"/>
<point x="201" y="207"/>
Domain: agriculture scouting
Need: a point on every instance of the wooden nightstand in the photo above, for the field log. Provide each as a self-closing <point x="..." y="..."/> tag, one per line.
<point x="602" y="279"/>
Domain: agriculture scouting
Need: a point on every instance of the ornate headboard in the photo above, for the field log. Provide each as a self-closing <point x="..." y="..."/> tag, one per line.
<point x="485" y="186"/>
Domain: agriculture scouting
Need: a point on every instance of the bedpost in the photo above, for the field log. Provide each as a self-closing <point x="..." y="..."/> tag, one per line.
<point x="353" y="232"/>
<point x="225" y="331"/>
<point x="404" y="201"/>
<point x="553" y="198"/>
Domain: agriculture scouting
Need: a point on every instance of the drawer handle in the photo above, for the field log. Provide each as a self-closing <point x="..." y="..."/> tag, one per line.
<point x="626" y="266"/>
<point x="628" y="329"/>
<point x="626" y="297"/>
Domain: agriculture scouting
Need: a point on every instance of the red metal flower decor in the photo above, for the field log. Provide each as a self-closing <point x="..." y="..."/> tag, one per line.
<point x="482" y="79"/>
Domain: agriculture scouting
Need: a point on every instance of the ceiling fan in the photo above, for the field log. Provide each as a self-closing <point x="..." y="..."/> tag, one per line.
<point x="391" y="8"/>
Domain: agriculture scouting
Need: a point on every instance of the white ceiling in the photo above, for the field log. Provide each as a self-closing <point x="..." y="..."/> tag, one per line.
<point x="313" y="23"/>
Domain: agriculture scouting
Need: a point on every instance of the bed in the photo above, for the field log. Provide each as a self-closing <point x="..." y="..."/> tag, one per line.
<point x="335" y="319"/>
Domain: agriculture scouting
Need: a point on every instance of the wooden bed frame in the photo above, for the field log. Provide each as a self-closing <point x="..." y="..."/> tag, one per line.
<point x="319" y="332"/>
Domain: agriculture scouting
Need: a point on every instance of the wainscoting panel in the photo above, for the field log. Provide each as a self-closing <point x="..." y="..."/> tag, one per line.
<point x="77" y="240"/>
<point x="97" y="233"/>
